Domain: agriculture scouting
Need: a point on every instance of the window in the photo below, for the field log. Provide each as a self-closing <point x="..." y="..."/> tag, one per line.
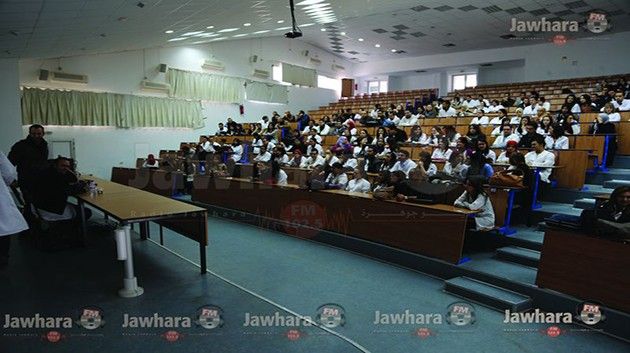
<point x="329" y="83"/>
<point x="377" y="86"/>
<point x="276" y="72"/>
<point x="464" y="81"/>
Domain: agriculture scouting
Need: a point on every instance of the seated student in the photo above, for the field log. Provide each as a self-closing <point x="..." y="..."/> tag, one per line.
<point x="495" y="106"/>
<point x="499" y="128"/>
<point x="417" y="136"/>
<point x="408" y="119"/>
<point x="371" y="163"/>
<point x="482" y="147"/>
<point x="511" y="147"/>
<point x="426" y="164"/>
<point x="475" y="198"/>
<point x="222" y="130"/>
<point x="323" y="128"/>
<point x="331" y="158"/>
<point x="479" y="119"/>
<point x="611" y="219"/>
<point x="603" y="126"/>
<point x="151" y="162"/>
<point x="463" y="146"/>
<point x="273" y="175"/>
<point x="506" y="136"/>
<point x="532" y="108"/>
<point x="530" y="135"/>
<point x="257" y="141"/>
<point x="620" y="103"/>
<point x="498" y="120"/>
<point x="507" y="101"/>
<point x="337" y="179"/>
<point x="539" y="157"/>
<point x="613" y="116"/>
<point x="447" y="110"/>
<point x="264" y="156"/>
<point x="236" y="150"/>
<point x="516" y="120"/>
<point x="313" y="145"/>
<point x="556" y="140"/>
<point x="358" y="182"/>
<point x="451" y="134"/>
<point x="545" y="122"/>
<point x="342" y="145"/>
<point x="312" y="134"/>
<point x="383" y="181"/>
<point x="430" y="111"/>
<point x="483" y="107"/>
<point x="52" y="188"/>
<point x="311" y="126"/>
<point x="279" y="155"/>
<point x="403" y="163"/>
<point x="297" y="159"/>
<point x="315" y="160"/>
<point x="474" y="133"/>
<point x="436" y="135"/>
<point x="348" y="162"/>
<point x="442" y="152"/>
<point x="521" y="129"/>
<point x="455" y="168"/>
<point x="478" y="166"/>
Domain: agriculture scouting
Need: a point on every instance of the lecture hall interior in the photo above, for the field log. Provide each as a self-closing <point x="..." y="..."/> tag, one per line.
<point x="315" y="176"/>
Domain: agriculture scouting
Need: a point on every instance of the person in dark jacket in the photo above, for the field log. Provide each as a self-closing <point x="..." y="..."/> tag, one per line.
<point x="30" y="155"/>
<point x="602" y="125"/>
<point x="51" y="189"/>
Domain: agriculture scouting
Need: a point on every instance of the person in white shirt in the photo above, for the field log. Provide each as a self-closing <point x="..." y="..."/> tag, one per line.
<point x="348" y="162"/>
<point x="375" y="111"/>
<point x="151" y="162"/>
<point x="337" y="179"/>
<point x="499" y="129"/>
<point x="358" y="182"/>
<point x="455" y="166"/>
<point x="314" y="160"/>
<point x="482" y="147"/>
<point x="403" y="164"/>
<point x="417" y="136"/>
<point x="222" y="130"/>
<point x="531" y="109"/>
<point x="506" y="135"/>
<point x="425" y="163"/>
<point x="539" y="157"/>
<point x="408" y="119"/>
<point x="620" y="104"/>
<point x="264" y="122"/>
<point x="313" y="135"/>
<point x="11" y="220"/>
<point x="612" y="116"/>
<point x="331" y="158"/>
<point x="476" y="199"/>
<point x="237" y="150"/>
<point x="516" y="120"/>
<point x="442" y="152"/>
<point x="324" y="129"/>
<point x="279" y="155"/>
<point x="572" y="103"/>
<point x="556" y="140"/>
<point x="495" y="106"/>
<point x="274" y="174"/>
<point x="479" y="119"/>
<point x="311" y="126"/>
<point x="446" y="110"/>
<point x="256" y="143"/>
<point x="264" y="156"/>
<point x="313" y="145"/>
<point x="297" y="160"/>
<point x="511" y="147"/>
<point x="470" y="103"/>
<point x="498" y="120"/>
<point x="481" y="98"/>
<point x="545" y="104"/>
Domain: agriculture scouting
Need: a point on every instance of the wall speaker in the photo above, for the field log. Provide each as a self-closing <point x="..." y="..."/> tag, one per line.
<point x="162" y="68"/>
<point x="43" y="75"/>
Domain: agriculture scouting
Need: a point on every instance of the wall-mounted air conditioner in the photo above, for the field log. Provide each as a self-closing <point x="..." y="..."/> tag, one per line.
<point x="314" y="61"/>
<point x="336" y="67"/>
<point x="156" y="86"/>
<point x="46" y="75"/>
<point x="213" y="65"/>
<point x="261" y="73"/>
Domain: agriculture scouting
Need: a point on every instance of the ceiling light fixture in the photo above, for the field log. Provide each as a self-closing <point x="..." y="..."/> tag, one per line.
<point x="316" y="6"/>
<point x="239" y="35"/>
<point x="228" y="30"/>
<point x="191" y="33"/>
<point x="261" y="32"/>
<point x="280" y="21"/>
<point x="343" y="33"/>
<point x="323" y="29"/>
<point x="309" y="2"/>
<point x="210" y="27"/>
<point x="360" y="39"/>
<point x="377" y="45"/>
<point x="169" y="31"/>
<point x="247" y="24"/>
<point x="393" y="50"/>
<point x="176" y="39"/>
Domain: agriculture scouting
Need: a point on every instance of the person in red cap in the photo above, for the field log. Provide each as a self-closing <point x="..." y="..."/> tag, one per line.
<point x="511" y="147"/>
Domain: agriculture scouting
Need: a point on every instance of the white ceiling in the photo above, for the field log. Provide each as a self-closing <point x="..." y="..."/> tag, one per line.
<point x="54" y="28"/>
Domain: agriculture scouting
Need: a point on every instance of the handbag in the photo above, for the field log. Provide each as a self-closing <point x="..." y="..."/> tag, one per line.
<point x="504" y="178"/>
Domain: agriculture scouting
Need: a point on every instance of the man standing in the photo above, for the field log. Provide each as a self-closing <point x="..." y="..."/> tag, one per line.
<point x="29" y="155"/>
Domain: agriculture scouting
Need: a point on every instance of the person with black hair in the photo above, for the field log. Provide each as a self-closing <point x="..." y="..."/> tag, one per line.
<point x="455" y="167"/>
<point x="337" y="179"/>
<point x="388" y="161"/>
<point x="30" y="155"/>
<point x="474" y="134"/>
<point x="404" y="163"/>
<point x="475" y="198"/>
<point x="442" y="152"/>
<point x="274" y="175"/>
<point x="611" y="219"/>
<point x="541" y="158"/>
<point x="478" y="165"/>
<point x="530" y="135"/>
<point x="451" y="134"/>
<point x="236" y="150"/>
<point x="557" y="140"/>
<point x="571" y="102"/>
<point x="371" y="163"/>
<point x="426" y="164"/>
<point x="483" y="148"/>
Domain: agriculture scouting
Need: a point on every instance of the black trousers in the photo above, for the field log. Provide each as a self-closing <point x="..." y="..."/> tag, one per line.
<point x="5" y="244"/>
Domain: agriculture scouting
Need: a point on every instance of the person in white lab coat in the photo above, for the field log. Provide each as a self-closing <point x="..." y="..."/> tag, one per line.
<point x="358" y="182"/>
<point x="11" y="220"/>
<point x="476" y="199"/>
<point x="539" y="157"/>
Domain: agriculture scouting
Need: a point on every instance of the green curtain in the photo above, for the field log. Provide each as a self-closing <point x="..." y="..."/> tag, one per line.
<point x="214" y="88"/>
<point x="264" y="92"/>
<point x="56" y="107"/>
<point x="299" y="75"/>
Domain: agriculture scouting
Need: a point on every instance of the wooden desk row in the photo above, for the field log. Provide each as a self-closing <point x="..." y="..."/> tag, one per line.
<point x="149" y="179"/>
<point x="431" y="230"/>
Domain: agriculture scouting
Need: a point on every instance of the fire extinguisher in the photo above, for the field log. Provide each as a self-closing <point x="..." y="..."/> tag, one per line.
<point x="241" y="109"/>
